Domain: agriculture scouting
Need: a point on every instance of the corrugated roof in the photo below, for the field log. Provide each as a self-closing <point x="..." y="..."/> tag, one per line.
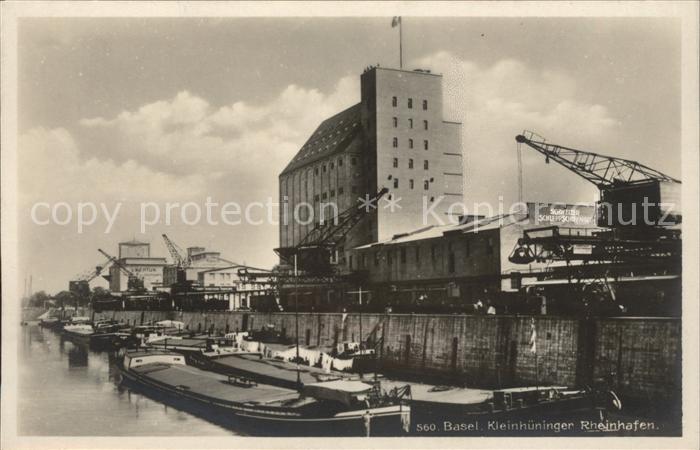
<point x="334" y="135"/>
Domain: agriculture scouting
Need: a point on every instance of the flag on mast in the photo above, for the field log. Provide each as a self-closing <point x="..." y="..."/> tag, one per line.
<point x="396" y="21"/>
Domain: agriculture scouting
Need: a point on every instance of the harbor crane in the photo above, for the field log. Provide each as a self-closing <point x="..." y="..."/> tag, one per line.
<point x="135" y="283"/>
<point x="625" y="186"/>
<point x="630" y="231"/>
<point x="182" y="261"/>
<point x="317" y="249"/>
<point x="180" y="258"/>
<point x="80" y="284"/>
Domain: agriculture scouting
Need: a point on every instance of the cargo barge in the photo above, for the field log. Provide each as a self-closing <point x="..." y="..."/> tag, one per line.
<point x="321" y="409"/>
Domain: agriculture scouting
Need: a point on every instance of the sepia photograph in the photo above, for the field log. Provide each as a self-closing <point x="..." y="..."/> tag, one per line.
<point x="252" y="221"/>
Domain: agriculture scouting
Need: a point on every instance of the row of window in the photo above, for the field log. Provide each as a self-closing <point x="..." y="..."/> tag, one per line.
<point x="426" y="163"/>
<point x="409" y="103"/>
<point x="395" y="143"/>
<point x="402" y="252"/>
<point x="324" y="168"/>
<point x="411" y="184"/>
<point x="332" y="192"/>
<point x="395" y="120"/>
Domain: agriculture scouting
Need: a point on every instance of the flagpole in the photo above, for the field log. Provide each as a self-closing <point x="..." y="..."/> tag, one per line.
<point x="400" y="43"/>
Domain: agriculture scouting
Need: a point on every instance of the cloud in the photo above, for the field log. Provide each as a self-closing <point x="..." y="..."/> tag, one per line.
<point x="52" y="168"/>
<point x="499" y="101"/>
<point x="241" y="147"/>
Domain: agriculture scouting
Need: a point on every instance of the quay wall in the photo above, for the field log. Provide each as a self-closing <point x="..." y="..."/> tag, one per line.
<point x="641" y="355"/>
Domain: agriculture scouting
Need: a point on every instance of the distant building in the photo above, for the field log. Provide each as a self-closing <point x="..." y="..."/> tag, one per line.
<point x="202" y="260"/>
<point x="396" y="138"/>
<point x="136" y="257"/>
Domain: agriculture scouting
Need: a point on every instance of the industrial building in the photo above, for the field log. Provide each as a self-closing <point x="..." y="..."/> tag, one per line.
<point x="135" y="257"/>
<point x="395" y="138"/>
<point x="201" y="260"/>
<point x="459" y="263"/>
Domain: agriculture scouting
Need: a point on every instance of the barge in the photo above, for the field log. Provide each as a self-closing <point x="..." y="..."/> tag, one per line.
<point x="335" y="408"/>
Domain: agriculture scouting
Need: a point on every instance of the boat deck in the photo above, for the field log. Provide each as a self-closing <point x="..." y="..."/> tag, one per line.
<point x="279" y="370"/>
<point x="213" y="385"/>
<point x="286" y="372"/>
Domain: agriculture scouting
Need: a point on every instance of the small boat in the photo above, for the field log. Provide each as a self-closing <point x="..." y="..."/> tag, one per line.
<point x="79" y="331"/>
<point x="333" y="408"/>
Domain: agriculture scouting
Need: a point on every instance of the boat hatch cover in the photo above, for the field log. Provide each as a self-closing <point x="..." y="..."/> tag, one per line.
<point x="344" y="391"/>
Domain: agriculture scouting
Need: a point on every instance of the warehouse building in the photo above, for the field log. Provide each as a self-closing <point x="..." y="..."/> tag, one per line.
<point x="397" y="138"/>
<point x="458" y="264"/>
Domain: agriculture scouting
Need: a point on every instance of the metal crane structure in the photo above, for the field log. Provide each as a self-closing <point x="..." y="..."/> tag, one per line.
<point x="80" y="284"/>
<point x="624" y="186"/>
<point x="135" y="282"/>
<point x="180" y="258"/>
<point x="315" y="250"/>
<point x="638" y="236"/>
<point x="182" y="261"/>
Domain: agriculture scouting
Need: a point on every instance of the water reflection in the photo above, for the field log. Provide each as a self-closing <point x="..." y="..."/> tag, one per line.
<point x="66" y="389"/>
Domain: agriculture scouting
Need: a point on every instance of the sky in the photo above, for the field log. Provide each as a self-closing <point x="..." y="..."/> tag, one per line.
<point x="156" y="111"/>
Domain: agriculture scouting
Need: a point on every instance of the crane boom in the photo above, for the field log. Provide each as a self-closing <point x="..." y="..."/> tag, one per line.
<point x="316" y="246"/>
<point x="92" y="273"/>
<point x="603" y="171"/>
<point x="176" y="253"/>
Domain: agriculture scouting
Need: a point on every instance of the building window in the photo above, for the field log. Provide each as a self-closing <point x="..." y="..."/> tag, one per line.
<point x="332" y="166"/>
<point x="425" y="124"/>
<point x="396" y="122"/>
<point x="425" y="105"/>
<point x="410" y="184"/>
<point x="426" y="165"/>
<point x="315" y="170"/>
<point x="410" y="103"/>
<point x="410" y="163"/>
<point x="451" y="262"/>
<point x="353" y="161"/>
<point x="395" y="142"/>
<point x="340" y="162"/>
<point x="376" y="258"/>
<point x="389" y="258"/>
<point x="410" y="123"/>
<point x="340" y="191"/>
<point x="426" y="185"/>
<point x="425" y="145"/>
<point x="324" y="195"/>
<point x="396" y="183"/>
<point x="394" y="101"/>
<point x="316" y="198"/>
<point x="410" y="143"/>
<point x="396" y="162"/>
<point x="403" y="255"/>
<point x="323" y="167"/>
<point x="332" y="192"/>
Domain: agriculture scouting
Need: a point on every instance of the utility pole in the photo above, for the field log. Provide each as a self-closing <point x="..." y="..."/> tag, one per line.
<point x="296" y="317"/>
<point x="359" y="293"/>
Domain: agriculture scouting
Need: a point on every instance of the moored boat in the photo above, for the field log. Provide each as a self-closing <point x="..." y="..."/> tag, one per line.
<point x="333" y="408"/>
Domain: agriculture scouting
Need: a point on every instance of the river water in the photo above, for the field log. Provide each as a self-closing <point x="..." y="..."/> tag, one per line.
<point x="68" y="390"/>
